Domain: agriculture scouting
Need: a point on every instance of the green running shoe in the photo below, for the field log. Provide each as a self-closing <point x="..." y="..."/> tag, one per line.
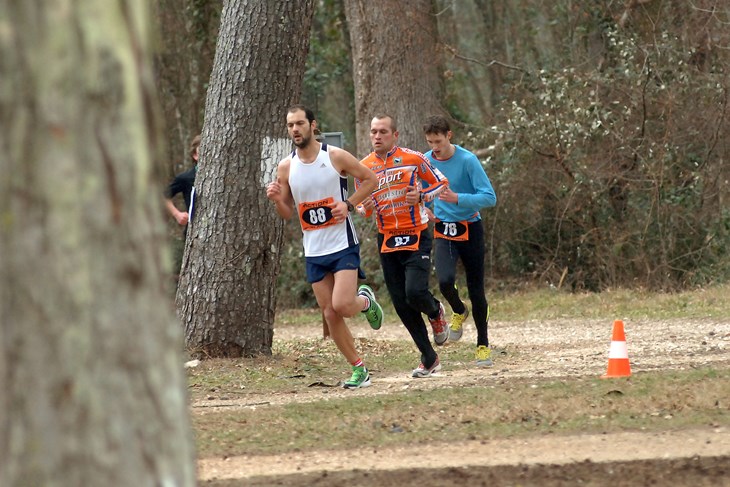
<point x="374" y="313"/>
<point x="360" y="378"/>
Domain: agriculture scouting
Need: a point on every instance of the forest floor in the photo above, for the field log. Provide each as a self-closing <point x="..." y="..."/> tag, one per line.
<point x="694" y="456"/>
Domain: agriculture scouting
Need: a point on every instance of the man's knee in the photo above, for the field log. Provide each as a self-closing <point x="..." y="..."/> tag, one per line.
<point x="330" y="314"/>
<point x="344" y="308"/>
<point x="419" y="299"/>
<point x="445" y="285"/>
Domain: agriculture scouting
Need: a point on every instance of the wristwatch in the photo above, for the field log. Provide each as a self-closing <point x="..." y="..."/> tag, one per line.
<point x="350" y="206"/>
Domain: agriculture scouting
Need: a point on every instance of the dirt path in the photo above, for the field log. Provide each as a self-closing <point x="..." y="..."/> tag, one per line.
<point x="553" y="450"/>
<point x="530" y="349"/>
<point x="568" y="348"/>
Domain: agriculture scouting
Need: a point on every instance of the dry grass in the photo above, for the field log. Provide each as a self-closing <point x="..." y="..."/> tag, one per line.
<point x="312" y="415"/>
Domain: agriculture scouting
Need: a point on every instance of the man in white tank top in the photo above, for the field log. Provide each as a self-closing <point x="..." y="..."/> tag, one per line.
<point x="312" y="183"/>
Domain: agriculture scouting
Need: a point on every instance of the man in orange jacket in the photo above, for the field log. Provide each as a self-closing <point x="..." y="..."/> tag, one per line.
<point x="404" y="238"/>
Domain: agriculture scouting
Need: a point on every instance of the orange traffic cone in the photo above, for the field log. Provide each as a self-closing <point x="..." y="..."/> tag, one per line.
<point x="618" y="355"/>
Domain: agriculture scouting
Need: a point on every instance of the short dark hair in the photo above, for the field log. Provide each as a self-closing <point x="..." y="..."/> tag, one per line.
<point x="308" y="112"/>
<point x="436" y="124"/>
<point x="382" y="115"/>
<point x="194" y="144"/>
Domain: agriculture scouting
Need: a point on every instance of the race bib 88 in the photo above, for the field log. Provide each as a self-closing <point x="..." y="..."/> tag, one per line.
<point x="315" y="215"/>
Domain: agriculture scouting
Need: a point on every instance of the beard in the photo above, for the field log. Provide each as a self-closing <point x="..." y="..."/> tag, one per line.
<point x="304" y="142"/>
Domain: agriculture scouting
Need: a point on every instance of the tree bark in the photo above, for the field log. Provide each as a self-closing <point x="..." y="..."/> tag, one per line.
<point x="93" y="391"/>
<point x="227" y="292"/>
<point x="183" y="62"/>
<point x="397" y="66"/>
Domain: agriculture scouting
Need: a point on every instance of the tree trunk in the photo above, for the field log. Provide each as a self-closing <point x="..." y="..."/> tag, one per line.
<point x="227" y="292"/>
<point x="183" y="61"/>
<point x="93" y="391"/>
<point x="397" y="66"/>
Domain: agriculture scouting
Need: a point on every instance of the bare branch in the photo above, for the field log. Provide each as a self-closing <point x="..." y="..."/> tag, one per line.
<point x="482" y="63"/>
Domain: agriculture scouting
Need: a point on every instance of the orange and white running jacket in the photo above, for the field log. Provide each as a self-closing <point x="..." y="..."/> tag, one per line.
<point x="401" y="168"/>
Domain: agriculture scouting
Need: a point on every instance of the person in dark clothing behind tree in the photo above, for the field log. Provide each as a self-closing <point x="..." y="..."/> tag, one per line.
<point x="183" y="183"/>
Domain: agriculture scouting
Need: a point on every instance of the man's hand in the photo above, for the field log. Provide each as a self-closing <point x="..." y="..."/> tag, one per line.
<point x="413" y="196"/>
<point x="182" y="218"/>
<point x="431" y="216"/>
<point x="368" y="204"/>
<point x="449" y="196"/>
<point x="339" y="211"/>
<point x="273" y="191"/>
<point x="279" y="192"/>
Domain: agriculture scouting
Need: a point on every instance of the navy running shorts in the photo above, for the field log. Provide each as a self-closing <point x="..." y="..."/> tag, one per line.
<point x="318" y="267"/>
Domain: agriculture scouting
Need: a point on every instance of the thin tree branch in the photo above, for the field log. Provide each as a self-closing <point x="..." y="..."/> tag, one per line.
<point x="482" y="63"/>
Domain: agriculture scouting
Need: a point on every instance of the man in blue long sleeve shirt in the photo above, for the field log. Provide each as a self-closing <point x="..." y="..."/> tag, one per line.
<point x="458" y="230"/>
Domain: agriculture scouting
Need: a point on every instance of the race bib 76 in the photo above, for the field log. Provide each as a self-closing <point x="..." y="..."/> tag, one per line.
<point x="458" y="231"/>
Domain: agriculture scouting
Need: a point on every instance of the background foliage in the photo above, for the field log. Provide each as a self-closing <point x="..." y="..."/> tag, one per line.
<point x="601" y="124"/>
<point x="611" y="170"/>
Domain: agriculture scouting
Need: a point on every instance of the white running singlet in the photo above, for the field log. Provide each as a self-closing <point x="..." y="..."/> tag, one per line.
<point x="316" y="186"/>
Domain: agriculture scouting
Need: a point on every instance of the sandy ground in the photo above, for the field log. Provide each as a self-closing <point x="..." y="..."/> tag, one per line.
<point x="555" y="450"/>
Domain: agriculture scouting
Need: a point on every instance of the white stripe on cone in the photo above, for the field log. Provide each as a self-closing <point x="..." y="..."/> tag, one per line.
<point x="618" y="350"/>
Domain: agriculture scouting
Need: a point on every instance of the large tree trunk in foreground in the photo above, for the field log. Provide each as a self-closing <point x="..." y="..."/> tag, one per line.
<point x="227" y="292"/>
<point x="396" y="66"/>
<point x="93" y="390"/>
